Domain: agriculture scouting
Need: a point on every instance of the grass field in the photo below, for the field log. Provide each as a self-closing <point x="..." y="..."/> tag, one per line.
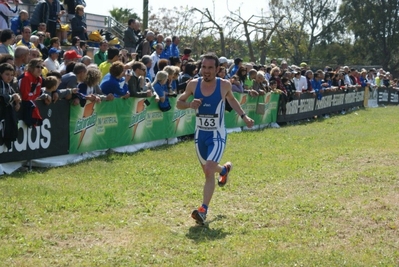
<point x="319" y="194"/>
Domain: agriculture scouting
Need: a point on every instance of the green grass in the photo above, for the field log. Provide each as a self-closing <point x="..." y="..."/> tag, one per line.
<point x="320" y="194"/>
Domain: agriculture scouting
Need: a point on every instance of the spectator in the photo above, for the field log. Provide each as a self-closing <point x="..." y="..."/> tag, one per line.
<point x="18" y="23"/>
<point x="50" y="87"/>
<point x="309" y="77"/>
<point x="242" y="75"/>
<point x="188" y="75"/>
<point x="86" y="60"/>
<point x="76" y="46"/>
<point x="41" y="46"/>
<point x="51" y="63"/>
<point x="175" y="61"/>
<point x="6" y="39"/>
<point x="174" y="48"/>
<point x="112" y="56"/>
<point x="249" y="81"/>
<point x="146" y="49"/>
<point x="222" y="72"/>
<point x="300" y="83"/>
<point x="89" y="85"/>
<point x="21" y="58"/>
<point x="155" y="57"/>
<point x="148" y="63"/>
<point x="166" y="50"/>
<point x="72" y="79"/>
<point x="30" y="89"/>
<point x="9" y="104"/>
<point x="161" y="90"/>
<point x="43" y="28"/>
<point x="260" y="84"/>
<point x="187" y="54"/>
<point x="237" y="65"/>
<point x="115" y="82"/>
<point x="316" y="85"/>
<point x="69" y="56"/>
<point x="46" y="11"/>
<point x="79" y="27"/>
<point x="101" y="55"/>
<point x="26" y="34"/>
<point x="159" y="40"/>
<point x="6" y="11"/>
<point x="162" y="63"/>
<point x="132" y="36"/>
<point x="137" y="84"/>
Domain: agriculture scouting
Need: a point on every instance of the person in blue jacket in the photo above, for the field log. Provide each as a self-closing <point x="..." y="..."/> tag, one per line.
<point x="18" y="23"/>
<point x="174" y="48"/>
<point x="115" y="82"/>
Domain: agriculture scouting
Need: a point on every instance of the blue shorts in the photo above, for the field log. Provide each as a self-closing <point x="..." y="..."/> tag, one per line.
<point x="209" y="145"/>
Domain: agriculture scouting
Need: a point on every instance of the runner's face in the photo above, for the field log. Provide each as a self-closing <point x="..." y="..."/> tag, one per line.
<point x="208" y="70"/>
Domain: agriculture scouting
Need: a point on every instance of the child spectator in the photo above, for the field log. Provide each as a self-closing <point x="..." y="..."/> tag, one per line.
<point x="161" y="90"/>
<point x="30" y="85"/>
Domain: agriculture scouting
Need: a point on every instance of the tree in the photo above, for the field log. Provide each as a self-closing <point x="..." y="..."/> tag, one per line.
<point x="122" y="15"/>
<point x="318" y="19"/>
<point x="375" y="25"/>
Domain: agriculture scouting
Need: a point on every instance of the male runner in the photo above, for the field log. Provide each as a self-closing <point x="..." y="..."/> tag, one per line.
<point x="210" y="94"/>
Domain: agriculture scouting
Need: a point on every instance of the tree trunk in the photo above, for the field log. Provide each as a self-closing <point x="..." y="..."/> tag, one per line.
<point x="248" y="37"/>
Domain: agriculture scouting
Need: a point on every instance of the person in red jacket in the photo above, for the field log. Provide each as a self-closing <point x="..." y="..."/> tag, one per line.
<point x="30" y="86"/>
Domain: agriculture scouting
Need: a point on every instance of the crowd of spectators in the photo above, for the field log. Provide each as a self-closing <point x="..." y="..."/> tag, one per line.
<point x="34" y="66"/>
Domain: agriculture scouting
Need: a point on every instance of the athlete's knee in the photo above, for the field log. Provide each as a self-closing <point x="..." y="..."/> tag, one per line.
<point x="210" y="168"/>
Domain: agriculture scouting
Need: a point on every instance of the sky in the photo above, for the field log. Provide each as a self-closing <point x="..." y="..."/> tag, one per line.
<point x="219" y="7"/>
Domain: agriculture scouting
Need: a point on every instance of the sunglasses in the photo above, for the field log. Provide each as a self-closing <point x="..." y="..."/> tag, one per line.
<point x="39" y="67"/>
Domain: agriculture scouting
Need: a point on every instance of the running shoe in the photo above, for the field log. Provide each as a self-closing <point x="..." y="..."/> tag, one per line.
<point x="199" y="215"/>
<point x="223" y="178"/>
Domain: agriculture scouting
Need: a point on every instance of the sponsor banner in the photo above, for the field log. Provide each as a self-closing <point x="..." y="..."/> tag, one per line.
<point x="48" y="140"/>
<point x="266" y="109"/>
<point x="307" y="105"/>
<point x="183" y="121"/>
<point x="387" y="96"/>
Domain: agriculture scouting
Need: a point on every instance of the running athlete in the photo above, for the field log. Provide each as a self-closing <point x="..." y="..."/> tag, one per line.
<point x="210" y="94"/>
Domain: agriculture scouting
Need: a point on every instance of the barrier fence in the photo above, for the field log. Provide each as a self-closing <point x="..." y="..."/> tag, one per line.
<point x="73" y="130"/>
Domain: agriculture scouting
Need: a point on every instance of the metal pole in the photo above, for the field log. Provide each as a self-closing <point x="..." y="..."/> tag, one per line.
<point x="145" y="14"/>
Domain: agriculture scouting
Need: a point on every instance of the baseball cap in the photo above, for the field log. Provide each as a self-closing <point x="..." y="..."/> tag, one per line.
<point x="53" y="50"/>
<point x="71" y="54"/>
<point x="222" y="60"/>
<point x="303" y="64"/>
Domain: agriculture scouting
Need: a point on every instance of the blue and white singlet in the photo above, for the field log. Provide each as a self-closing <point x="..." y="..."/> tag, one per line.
<point x="210" y="133"/>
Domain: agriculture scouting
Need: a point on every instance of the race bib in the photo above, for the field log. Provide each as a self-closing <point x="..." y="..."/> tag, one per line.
<point x="207" y="122"/>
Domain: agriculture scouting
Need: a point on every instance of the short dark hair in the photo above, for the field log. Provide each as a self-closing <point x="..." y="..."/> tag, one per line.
<point x="130" y="21"/>
<point x="212" y="56"/>
<point x="6" y="66"/>
<point x="112" y="52"/>
<point x="174" y="37"/>
<point x="75" y="39"/>
<point x="174" y="60"/>
<point x="54" y="73"/>
<point x="5" y="57"/>
<point x="79" y="67"/>
<point x="69" y="67"/>
<point x="50" y="82"/>
<point x="138" y="65"/>
<point x="190" y="68"/>
<point x="6" y="34"/>
<point x="162" y="63"/>
<point x="54" y="40"/>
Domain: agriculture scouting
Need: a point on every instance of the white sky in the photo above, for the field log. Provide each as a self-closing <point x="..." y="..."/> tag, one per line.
<point x="220" y="7"/>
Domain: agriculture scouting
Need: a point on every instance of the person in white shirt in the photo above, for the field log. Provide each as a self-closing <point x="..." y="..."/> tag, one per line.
<point x="300" y="83"/>
<point x="155" y="56"/>
<point x="51" y="63"/>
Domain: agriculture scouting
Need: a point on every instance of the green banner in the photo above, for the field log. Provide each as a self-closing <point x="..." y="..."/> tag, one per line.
<point x="130" y="121"/>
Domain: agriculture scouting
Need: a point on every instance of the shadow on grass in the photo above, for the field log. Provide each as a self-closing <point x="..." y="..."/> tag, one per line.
<point x="206" y="233"/>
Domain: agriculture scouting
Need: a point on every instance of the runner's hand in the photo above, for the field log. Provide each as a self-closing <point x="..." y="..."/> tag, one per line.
<point x="196" y="103"/>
